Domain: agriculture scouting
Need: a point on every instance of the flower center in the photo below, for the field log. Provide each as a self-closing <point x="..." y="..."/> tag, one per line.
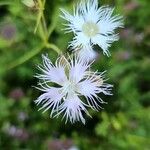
<point x="90" y="29"/>
<point x="69" y="87"/>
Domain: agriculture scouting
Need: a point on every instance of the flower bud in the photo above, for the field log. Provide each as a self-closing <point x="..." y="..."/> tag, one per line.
<point x="29" y="3"/>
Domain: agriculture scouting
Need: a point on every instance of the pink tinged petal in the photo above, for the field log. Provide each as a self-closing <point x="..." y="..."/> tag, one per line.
<point x="90" y="90"/>
<point x="87" y="88"/>
<point x="52" y="73"/>
<point x="104" y="41"/>
<point x="78" y="69"/>
<point x="73" y="108"/>
<point x="50" y="100"/>
<point x="58" y="75"/>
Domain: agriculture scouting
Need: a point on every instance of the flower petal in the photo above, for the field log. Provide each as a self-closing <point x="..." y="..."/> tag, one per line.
<point x="104" y="42"/>
<point x="108" y="23"/>
<point x="72" y="108"/>
<point x="78" y="69"/>
<point x="50" y="99"/>
<point x="52" y="73"/>
<point x="90" y="10"/>
<point x="75" y="21"/>
<point x="79" y="40"/>
<point x="91" y="87"/>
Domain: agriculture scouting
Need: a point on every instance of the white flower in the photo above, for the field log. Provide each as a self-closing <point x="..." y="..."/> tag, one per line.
<point x="65" y="83"/>
<point x="92" y="25"/>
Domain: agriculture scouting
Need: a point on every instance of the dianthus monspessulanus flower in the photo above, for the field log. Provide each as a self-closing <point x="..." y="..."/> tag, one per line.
<point x="69" y="87"/>
<point x="92" y="25"/>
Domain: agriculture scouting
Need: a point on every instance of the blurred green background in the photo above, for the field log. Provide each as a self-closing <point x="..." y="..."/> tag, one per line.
<point x="123" y="124"/>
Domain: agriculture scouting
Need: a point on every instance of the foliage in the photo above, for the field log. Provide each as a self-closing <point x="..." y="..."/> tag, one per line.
<point x="27" y="32"/>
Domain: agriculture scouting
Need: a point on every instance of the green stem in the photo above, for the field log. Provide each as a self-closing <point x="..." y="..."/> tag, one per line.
<point x="40" y="14"/>
<point x="31" y="54"/>
<point x="54" y="47"/>
<point x="51" y="28"/>
<point x="25" y="58"/>
<point x="44" y="26"/>
<point x="42" y="33"/>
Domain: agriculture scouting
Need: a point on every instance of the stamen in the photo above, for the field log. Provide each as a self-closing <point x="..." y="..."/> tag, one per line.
<point x="69" y="87"/>
<point x="90" y="29"/>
